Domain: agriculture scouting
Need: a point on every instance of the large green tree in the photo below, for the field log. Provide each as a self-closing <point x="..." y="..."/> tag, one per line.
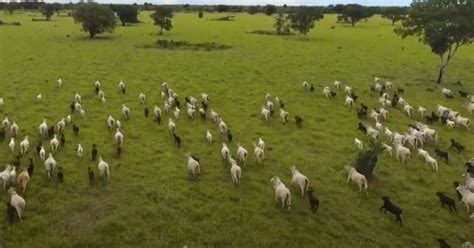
<point x="270" y="9"/>
<point x="394" y="14"/>
<point x="47" y="10"/>
<point x="162" y="17"/>
<point x="444" y="25"/>
<point x="127" y="13"/>
<point x="302" y="19"/>
<point x="95" y="18"/>
<point x="11" y="7"/>
<point x="353" y="13"/>
<point x="281" y="24"/>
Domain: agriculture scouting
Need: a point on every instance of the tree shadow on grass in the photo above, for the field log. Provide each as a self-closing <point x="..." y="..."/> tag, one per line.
<point x="184" y="45"/>
<point x="97" y="38"/>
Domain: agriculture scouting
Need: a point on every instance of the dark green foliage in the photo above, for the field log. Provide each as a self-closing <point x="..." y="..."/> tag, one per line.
<point x="127" y="13"/>
<point x="95" y="18"/>
<point x="281" y="24"/>
<point x="270" y="9"/>
<point x="366" y="161"/>
<point x="162" y="17"/>
<point x="394" y="14"/>
<point x="10" y="7"/>
<point x="200" y="14"/>
<point x="353" y="13"/>
<point x="302" y="19"/>
<point x="444" y="25"/>
<point x="222" y="8"/>
<point x="184" y="45"/>
<point x="253" y="10"/>
<point x="224" y="18"/>
<point x="47" y="10"/>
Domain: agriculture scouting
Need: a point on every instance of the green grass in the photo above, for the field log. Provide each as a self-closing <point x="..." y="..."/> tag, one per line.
<point x="151" y="202"/>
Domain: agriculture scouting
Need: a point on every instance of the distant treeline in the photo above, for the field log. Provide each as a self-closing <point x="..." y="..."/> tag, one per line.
<point x="254" y="9"/>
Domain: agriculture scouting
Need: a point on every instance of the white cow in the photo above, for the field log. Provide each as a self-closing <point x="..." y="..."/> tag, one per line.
<point x="299" y="179"/>
<point x="357" y="178"/>
<point x="282" y="193"/>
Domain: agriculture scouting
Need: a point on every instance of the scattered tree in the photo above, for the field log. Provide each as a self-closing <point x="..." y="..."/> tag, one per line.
<point x="57" y="7"/>
<point x="200" y="14"/>
<point x="252" y="10"/>
<point x="11" y="7"/>
<point x="394" y="14"/>
<point x="353" y="13"/>
<point x="281" y="24"/>
<point x="270" y="9"/>
<point x="47" y="10"/>
<point x="303" y="18"/>
<point x="444" y="25"/>
<point x="162" y="17"/>
<point x="222" y="8"/>
<point x="95" y="18"/>
<point x="127" y="13"/>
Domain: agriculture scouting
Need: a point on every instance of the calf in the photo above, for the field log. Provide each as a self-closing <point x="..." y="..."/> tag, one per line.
<point x="463" y="93"/>
<point x="11" y="213"/>
<point x="90" y="174"/>
<point x="177" y="140"/>
<point x="392" y="208"/>
<point x="75" y="130"/>
<point x="441" y="154"/>
<point x="60" y="175"/>
<point x="444" y="200"/>
<point x="146" y="111"/>
<point x="456" y="185"/>
<point x="31" y="167"/>
<point x="94" y="152"/>
<point x="119" y="151"/>
<point x="299" y="121"/>
<point x="456" y="145"/>
<point x="313" y="201"/>
<point x="62" y="140"/>
<point x="229" y="135"/>
<point x="362" y="128"/>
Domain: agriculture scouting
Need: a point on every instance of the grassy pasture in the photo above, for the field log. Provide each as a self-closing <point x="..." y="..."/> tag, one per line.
<point x="150" y="200"/>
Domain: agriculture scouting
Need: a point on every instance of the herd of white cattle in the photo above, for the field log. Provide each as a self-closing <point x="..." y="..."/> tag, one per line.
<point x="415" y="138"/>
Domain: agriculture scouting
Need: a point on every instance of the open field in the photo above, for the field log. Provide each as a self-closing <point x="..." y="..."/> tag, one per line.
<point x="151" y="201"/>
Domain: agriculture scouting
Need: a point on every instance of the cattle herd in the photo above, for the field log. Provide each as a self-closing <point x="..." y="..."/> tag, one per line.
<point x="401" y="144"/>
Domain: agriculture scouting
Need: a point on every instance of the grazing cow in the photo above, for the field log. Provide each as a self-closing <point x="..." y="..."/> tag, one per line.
<point x="225" y="152"/>
<point x="229" y="135"/>
<point x="358" y="144"/>
<point x="447" y="93"/>
<point x="80" y="151"/>
<point x="12" y="144"/>
<point x="125" y="111"/>
<point x="362" y="128"/>
<point x="24" y="146"/>
<point x="443" y="244"/>
<point x="259" y="154"/>
<point x="209" y="137"/>
<point x="282" y="193"/>
<point x="241" y="154"/>
<point x="122" y="87"/>
<point x="103" y="169"/>
<point x="146" y="111"/>
<point x="11" y="213"/>
<point x="5" y="176"/>
<point x="54" y="143"/>
<point x="75" y="130"/>
<point x="441" y="154"/>
<point x="456" y="185"/>
<point x="422" y="111"/>
<point x="299" y="121"/>
<point x="62" y="140"/>
<point x="193" y="166"/>
<point x="94" y="152"/>
<point x="50" y="165"/>
<point x="387" y="148"/>
<point x="337" y="84"/>
<point x="357" y="178"/>
<point x="235" y="172"/>
<point x="392" y="208"/>
<point x="31" y="167"/>
<point x="17" y="202"/>
<point x="444" y="200"/>
<point x="60" y="175"/>
<point x="222" y="126"/>
<point x="297" y="178"/>
<point x="456" y="145"/>
<point x="402" y="153"/>
<point x="177" y="140"/>
<point x="90" y="174"/>
<point x="42" y="153"/>
<point x="349" y="101"/>
<point x="313" y="200"/>
<point x="23" y="179"/>
<point x="467" y="196"/>
<point x="463" y="93"/>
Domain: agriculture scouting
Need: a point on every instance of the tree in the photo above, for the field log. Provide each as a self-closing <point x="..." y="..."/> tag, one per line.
<point x="252" y="10"/>
<point x="394" y="14"/>
<point x="444" y="25"/>
<point x="303" y="18"/>
<point x="127" y="13"/>
<point x="281" y="24"/>
<point x="270" y="9"/>
<point x="366" y="161"/>
<point x="47" y="10"/>
<point x="10" y="7"/>
<point x="95" y="18"/>
<point x="200" y="14"/>
<point x="353" y="13"/>
<point x="222" y="8"/>
<point x="162" y="17"/>
<point x="57" y="7"/>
